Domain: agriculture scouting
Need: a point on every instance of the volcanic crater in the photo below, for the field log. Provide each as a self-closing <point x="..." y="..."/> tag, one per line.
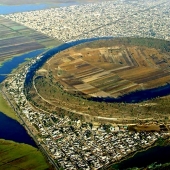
<point x="112" y="68"/>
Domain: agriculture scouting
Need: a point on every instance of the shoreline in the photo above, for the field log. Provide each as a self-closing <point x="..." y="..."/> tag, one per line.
<point x="6" y="60"/>
<point x="6" y="109"/>
<point x="131" y="155"/>
<point x="19" y="55"/>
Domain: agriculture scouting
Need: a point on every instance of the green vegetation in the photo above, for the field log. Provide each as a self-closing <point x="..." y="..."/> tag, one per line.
<point x="4" y="61"/>
<point x="151" y="43"/>
<point x="14" y="156"/>
<point x="163" y="141"/>
<point x="26" y="38"/>
<point x="163" y="45"/>
<point x="6" y="109"/>
<point x="165" y="166"/>
<point x="28" y="59"/>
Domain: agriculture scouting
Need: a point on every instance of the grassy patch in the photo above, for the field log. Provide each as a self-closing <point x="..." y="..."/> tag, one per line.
<point x="6" y="109"/>
<point x="16" y="156"/>
<point x="6" y="60"/>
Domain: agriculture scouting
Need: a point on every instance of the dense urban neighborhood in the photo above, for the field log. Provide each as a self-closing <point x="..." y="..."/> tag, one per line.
<point x="111" y="18"/>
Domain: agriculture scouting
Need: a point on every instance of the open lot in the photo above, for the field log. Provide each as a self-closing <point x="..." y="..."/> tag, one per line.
<point x="139" y="128"/>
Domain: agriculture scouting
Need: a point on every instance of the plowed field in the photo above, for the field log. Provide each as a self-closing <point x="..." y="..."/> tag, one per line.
<point x="112" y="70"/>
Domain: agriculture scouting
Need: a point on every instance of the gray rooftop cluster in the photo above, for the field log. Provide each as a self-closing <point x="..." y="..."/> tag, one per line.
<point x="112" y="18"/>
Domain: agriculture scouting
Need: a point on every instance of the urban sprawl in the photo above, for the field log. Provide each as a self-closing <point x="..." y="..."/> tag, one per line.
<point x="77" y="144"/>
<point x="112" y="18"/>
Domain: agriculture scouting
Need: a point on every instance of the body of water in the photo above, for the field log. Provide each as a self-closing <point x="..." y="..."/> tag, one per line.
<point x="9" y="9"/>
<point x="158" y="154"/>
<point x="10" y="129"/>
<point x="5" y="9"/>
<point x="8" y="66"/>
<point x="138" y="96"/>
<point x="70" y="3"/>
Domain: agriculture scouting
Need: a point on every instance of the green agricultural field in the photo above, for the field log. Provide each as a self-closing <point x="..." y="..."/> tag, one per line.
<point x="14" y="156"/>
<point x="18" y="27"/>
<point x="16" y="39"/>
<point x="6" y="109"/>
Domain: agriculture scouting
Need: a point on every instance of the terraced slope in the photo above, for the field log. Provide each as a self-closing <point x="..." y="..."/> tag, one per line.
<point x="112" y="68"/>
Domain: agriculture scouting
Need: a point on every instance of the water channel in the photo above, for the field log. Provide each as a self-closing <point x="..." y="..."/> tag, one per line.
<point x="156" y="154"/>
<point x="10" y="129"/>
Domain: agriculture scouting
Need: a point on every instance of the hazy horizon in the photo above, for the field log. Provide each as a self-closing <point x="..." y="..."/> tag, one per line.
<point x="20" y="2"/>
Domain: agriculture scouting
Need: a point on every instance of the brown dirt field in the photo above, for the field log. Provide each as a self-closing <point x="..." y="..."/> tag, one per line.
<point x="158" y="82"/>
<point x="98" y="67"/>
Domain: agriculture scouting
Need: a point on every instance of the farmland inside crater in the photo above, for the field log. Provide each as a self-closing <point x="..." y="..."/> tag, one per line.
<point x="104" y="68"/>
<point x="112" y="68"/>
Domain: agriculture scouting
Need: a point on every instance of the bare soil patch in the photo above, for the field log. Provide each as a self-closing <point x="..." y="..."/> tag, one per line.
<point x="112" y="70"/>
